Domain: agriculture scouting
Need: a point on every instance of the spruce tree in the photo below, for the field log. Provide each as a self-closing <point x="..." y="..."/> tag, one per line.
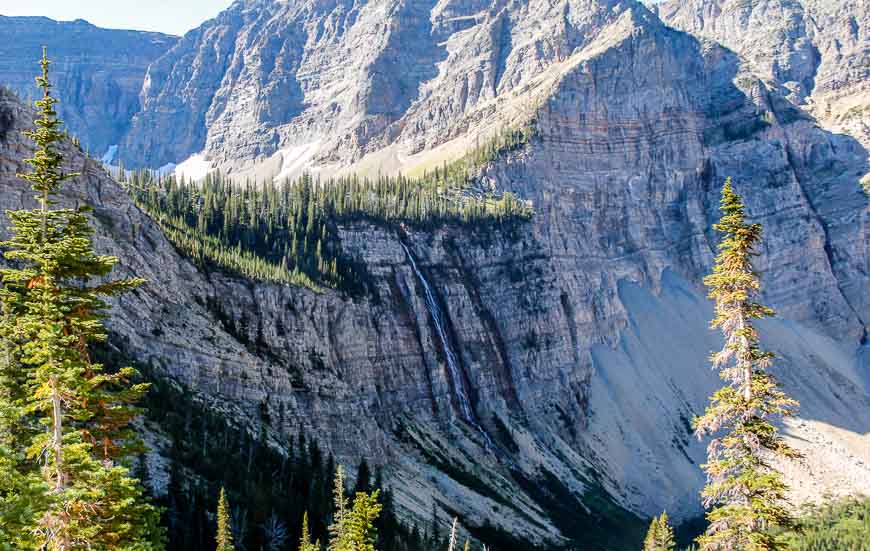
<point x="746" y="496"/>
<point x="363" y="478"/>
<point x="305" y="540"/>
<point x="360" y="532"/>
<point x="452" y="541"/>
<point x="224" y="536"/>
<point x="22" y="489"/>
<point x="52" y="301"/>
<point x="353" y="528"/>
<point x="338" y="528"/>
<point x="649" y="542"/>
<point x="660" y="536"/>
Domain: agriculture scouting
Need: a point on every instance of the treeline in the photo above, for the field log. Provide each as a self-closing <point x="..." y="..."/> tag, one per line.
<point x="71" y="463"/>
<point x="66" y="439"/>
<point x="832" y="526"/>
<point x="269" y="488"/>
<point x="288" y="232"/>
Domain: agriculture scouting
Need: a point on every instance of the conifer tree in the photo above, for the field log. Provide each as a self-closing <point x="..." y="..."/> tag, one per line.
<point x="338" y="528"/>
<point x="305" y="540"/>
<point x="361" y="533"/>
<point x="224" y="537"/>
<point x="353" y="529"/>
<point x="452" y="542"/>
<point x="52" y="311"/>
<point x="746" y="496"/>
<point x="660" y="536"/>
<point x="363" y="478"/>
<point x="22" y="489"/>
<point x="652" y="535"/>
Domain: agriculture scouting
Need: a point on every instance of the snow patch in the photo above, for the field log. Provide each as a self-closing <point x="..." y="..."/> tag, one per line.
<point x="166" y="169"/>
<point x="109" y="155"/>
<point x="297" y="158"/>
<point x="194" y="167"/>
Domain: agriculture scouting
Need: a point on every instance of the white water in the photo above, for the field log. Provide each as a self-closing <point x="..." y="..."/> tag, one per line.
<point x="452" y="364"/>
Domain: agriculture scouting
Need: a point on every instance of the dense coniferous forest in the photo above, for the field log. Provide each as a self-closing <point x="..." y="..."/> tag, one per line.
<point x="839" y="525"/>
<point x="79" y="485"/>
<point x="269" y="487"/>
<point x="288" y="232"/>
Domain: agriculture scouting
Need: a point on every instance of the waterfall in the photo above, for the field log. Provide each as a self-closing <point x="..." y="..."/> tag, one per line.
<point x="452" y="363"/>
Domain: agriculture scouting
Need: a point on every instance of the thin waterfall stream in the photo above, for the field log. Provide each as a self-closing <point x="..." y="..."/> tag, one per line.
<point x="452" y="363"/>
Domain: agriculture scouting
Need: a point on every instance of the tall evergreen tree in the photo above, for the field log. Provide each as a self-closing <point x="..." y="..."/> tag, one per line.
<point x="746" y="496"/>
<point x="224" y="536"/>
<point x="660" y="536"/>
<point x="652" y="535"/>
<point x="435" y="538"/>
<point x="452" y="542"/>
<point x="363" y="478"/>
<point x="305" y="543"/>
<point x="361" y="533"/>
<point x="353" y="528"/>
<point x="52" y="311"/>
<point x="338" y="528"/>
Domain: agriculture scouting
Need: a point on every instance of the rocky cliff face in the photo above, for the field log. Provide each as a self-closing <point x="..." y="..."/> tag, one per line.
<point x="98" y="72"/>
<point x="815" y="51"/>
<point x="580" y="340"/>
<point x="284" y="86"/>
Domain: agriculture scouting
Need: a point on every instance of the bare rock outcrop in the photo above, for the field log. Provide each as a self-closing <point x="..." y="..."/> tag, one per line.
<point x="816" y="51"/>
<point x="580" y="337"/>
<point x="98" y="72"/>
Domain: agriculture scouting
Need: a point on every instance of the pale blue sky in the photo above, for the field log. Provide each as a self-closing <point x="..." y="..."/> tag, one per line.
<point x="168" y="16"/>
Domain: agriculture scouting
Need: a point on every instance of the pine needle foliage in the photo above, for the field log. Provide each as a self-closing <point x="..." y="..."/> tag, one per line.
<point x="224" y="535"/>
<point x="71" y="417"/>
<point x="353" y="527"/>
<point x="305" y="543"/>
<point x="361" y="533"/>
<point x="834" y="525"/>
<point x="451" y="545"/>
<point x="338" y="528"/>
<point x="746" y="496"/>
<point x="660" y="536"/>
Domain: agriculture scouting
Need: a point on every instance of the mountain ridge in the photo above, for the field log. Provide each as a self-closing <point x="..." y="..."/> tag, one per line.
<point x="98" y="72"/>
<point x="583" y="335"/>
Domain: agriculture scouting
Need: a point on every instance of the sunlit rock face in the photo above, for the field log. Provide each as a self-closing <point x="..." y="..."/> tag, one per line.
<point x="814" y="51"/>
<point x="98" y="72"/>
<point x="582" y="336"/>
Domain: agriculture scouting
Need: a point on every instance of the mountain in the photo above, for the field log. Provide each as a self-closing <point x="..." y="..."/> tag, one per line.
<point x="98" y="72"/>
<point x="275" y="88"/>
<point x="814" y="51"/>
<point x="536" y="380"/>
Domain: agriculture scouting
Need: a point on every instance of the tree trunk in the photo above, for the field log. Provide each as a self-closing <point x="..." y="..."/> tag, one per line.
<point x="57" y="435"/>
<point x="746" y="364"/>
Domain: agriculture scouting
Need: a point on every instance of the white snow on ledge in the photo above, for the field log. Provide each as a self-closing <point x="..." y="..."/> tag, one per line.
<point x="109" y="155"/>
<point x="167" y="169"/>
<point x="193" y="168"/>
<point x="295" y="159"/>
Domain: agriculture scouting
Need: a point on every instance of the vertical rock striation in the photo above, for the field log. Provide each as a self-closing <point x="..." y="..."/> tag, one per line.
<point x="98" y="72"/>
<point x="580" y="337"/>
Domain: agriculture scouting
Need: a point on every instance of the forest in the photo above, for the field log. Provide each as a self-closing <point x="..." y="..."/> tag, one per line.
<point x="74" y="471"/>
<point x="288" y="232"/>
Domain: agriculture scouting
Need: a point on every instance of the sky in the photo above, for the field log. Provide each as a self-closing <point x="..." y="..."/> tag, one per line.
<point x="167" y="16"/>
